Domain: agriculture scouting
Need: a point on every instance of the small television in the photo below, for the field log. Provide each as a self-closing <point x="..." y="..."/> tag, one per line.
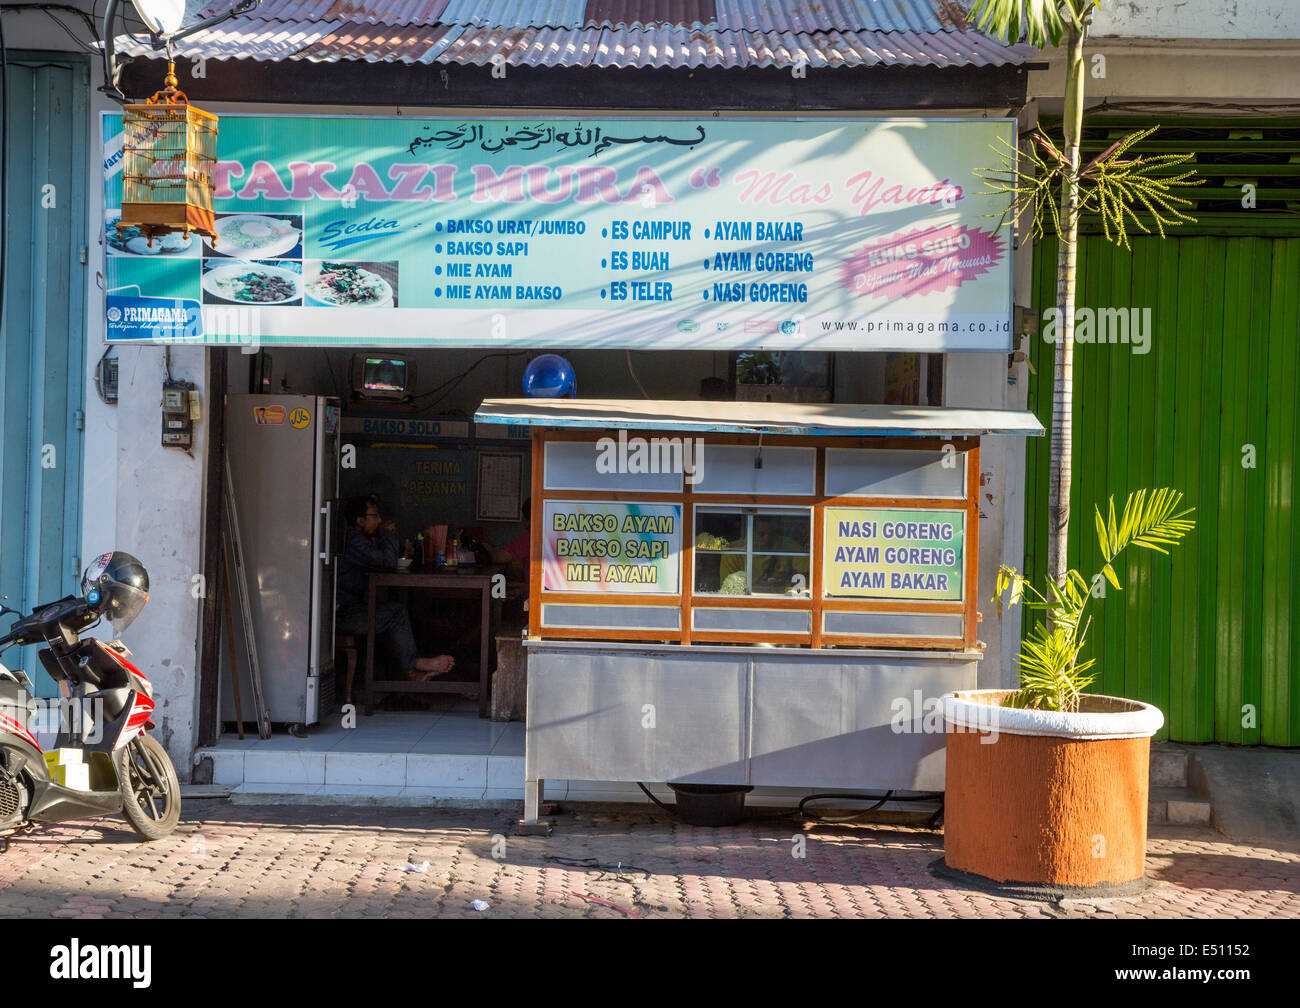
<point x="382" y="376"/>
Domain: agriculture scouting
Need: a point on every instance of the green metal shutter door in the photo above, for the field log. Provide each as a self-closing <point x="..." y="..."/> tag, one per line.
<point x="42" y="347"/>
<point x="1211" y="633"/>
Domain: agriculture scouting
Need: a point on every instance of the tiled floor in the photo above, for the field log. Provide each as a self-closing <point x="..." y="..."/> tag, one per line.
<point x="452" y="753"/>
<point x="456" y="731"/>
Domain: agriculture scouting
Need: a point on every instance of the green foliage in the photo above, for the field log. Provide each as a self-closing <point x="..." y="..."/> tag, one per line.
<point x="1113" y="185"/>
<point x="1052" y="674"/>
<point x="1040" y="21"/>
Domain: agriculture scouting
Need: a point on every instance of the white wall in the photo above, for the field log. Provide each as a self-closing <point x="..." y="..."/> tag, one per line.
<point x="138" y="496"/>
<point x="1201" y="19"/>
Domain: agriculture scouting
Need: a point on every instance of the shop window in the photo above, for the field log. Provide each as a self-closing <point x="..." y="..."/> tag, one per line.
<point x="752" y="551"/>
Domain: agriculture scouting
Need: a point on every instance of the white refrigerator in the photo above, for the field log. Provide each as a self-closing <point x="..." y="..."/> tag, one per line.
<point x="284" y="465"/>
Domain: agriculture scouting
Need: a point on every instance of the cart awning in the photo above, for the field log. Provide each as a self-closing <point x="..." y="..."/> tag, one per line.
<point x="703" y="416"/>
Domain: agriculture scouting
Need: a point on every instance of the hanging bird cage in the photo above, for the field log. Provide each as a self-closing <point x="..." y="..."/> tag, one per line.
<point x="169" y="150"/>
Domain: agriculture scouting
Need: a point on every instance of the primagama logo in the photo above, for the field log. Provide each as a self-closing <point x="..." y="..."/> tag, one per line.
<point x="651" y="455"/>
<point x="75" y="961"/>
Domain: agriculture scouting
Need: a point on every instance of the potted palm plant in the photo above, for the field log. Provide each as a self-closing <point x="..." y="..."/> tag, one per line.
<point x="1047" y="784"/>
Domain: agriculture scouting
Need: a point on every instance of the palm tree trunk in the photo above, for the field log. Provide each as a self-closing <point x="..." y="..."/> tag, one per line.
<point x="1058" y="499"/>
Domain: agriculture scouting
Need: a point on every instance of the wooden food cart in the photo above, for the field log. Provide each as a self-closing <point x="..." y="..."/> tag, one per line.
<point x="743" y="593"/>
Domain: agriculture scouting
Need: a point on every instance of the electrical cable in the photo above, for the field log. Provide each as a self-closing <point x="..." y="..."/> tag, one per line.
<point x="666" y="808"/>
<point x="88" y="19"/>
<point x="879" y="800"/>
<point x="457" y="379"/>
<point x="632" y="372"/>
<point x="802" y="811"/>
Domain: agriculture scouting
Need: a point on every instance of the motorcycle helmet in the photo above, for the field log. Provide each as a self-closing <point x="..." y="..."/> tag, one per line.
<point x="550" y="376"/>
<point x="118" y="585"/>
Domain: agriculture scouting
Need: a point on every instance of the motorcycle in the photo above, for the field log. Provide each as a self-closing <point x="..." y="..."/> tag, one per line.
<point x="103" y="762"/>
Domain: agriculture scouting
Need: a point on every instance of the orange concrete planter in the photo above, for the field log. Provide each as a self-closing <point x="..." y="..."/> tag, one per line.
<point x="1041" y="798"/>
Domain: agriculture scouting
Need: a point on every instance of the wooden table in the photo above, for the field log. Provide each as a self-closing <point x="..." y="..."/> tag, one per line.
<point x="477" y="581"/>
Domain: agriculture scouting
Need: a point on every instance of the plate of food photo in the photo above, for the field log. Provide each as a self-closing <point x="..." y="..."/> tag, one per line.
<point x="252" y="283"/>
<point x="130" y="241"/>
<point x="344" y="284"/>
<point x="254" y="236"/>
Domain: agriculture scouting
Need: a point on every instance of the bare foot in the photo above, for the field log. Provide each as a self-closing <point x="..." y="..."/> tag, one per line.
<point x="428" y="668"/>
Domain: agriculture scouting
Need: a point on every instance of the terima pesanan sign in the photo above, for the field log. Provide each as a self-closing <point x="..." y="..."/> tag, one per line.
<point x="823" y="234"/>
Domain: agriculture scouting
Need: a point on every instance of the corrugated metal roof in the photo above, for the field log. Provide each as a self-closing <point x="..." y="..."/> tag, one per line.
<point x="516" y="13"/>
<point x="638" y="13"/>
<point x="377" y="43"/>
<point x="593" y="47"/>
<point x="830" y="15"/>
<point x="392" y="12"/>
<point x="746" y="15"/>
<point x="606" y="33"/>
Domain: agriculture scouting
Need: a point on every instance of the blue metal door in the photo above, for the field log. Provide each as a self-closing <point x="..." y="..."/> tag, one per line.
<point x="42" y="343"/>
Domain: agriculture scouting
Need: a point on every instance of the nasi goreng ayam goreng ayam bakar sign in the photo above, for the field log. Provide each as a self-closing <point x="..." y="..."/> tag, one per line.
<point x="821" y="234"/>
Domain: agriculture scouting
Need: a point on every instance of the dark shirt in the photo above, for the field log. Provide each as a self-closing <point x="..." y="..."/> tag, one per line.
<point x="363" y="554"/>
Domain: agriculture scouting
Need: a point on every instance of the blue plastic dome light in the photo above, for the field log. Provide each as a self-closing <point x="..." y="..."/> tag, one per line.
<point x="550" y="376"/>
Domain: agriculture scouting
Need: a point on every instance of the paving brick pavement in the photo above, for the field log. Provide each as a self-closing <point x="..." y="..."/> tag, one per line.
<point x="309" y="861"/>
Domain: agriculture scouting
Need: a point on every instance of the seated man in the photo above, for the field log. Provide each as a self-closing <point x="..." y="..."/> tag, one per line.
<point x="371" y="545"/>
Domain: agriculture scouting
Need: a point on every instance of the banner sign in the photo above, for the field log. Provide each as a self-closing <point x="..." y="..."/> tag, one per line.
<point x="612" y="547"/>
<point x="893" y="554"/>
<point x="825" y="234"/>
<point x="164" y="320"/>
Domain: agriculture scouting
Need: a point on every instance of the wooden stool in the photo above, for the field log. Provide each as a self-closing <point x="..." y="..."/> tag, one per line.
<point x="346" y="645"/>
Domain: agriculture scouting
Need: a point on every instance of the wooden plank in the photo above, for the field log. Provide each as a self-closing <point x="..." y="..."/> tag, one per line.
<point x="753" y="602"/>
<point x="970" y="587"/>
<point x="908" y="643"/>
<point x="606" y="599"/>
<point x="925" y="503"/>
<point x="535" y="543"/>
<point x="748" y="637"/>
<point x="664" y="636"/>
<point x="634" y="496"/>
<point x="688" y="566"/>
<point x="817" y="568"/>
<point x="920" y="607"/>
